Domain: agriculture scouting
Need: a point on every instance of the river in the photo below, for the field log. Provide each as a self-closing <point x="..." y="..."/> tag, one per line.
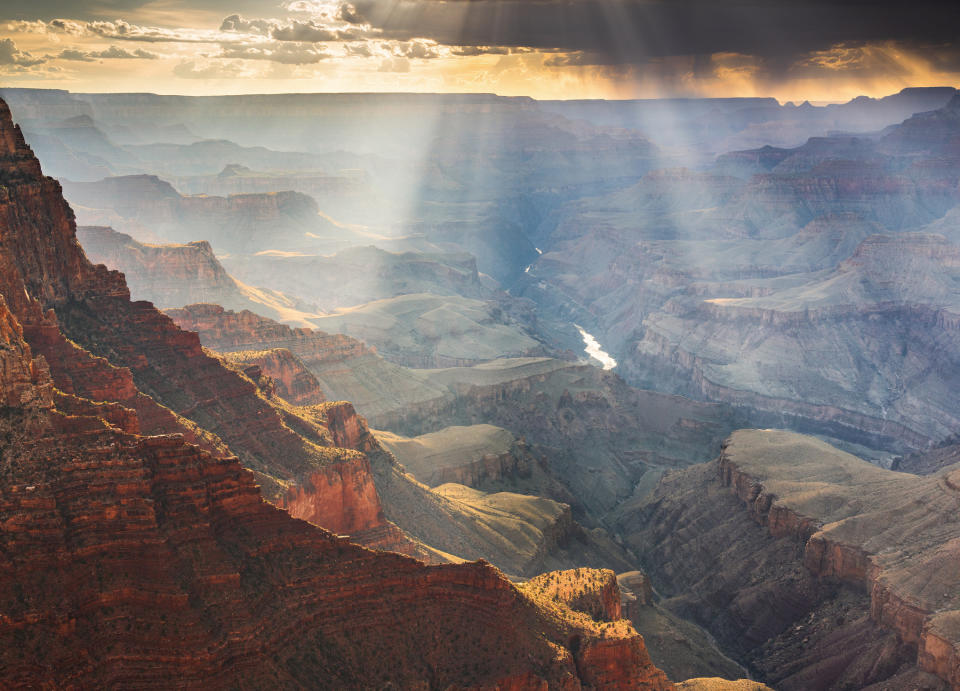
<point x="595" y="350"/>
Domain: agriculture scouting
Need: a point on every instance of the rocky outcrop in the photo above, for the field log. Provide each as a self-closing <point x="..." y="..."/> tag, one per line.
<point x="476" y="456"/>
<point x="340" y="497"/>
<point x="591" y="591"/>
<point x="165" y="274"/>
<point x="847" y="536"/>
<point x="292" y="379"/>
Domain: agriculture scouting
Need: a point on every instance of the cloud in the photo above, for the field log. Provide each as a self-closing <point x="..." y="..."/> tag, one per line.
<point x="285" y="53"/>
<point x="191" y="69"/>
<point x="236" y="23"/>
<point x="359" y="49"/>
<point x="633" y="31"/>
<point x="122" y="30"/>
<point x="111" y="53"/>
<point x="73" y="54"/>
<point x="416" y="50"/>
<point x="473" y="51"/>
<point x="11" y="56"/>
<point x="316" y="32"/>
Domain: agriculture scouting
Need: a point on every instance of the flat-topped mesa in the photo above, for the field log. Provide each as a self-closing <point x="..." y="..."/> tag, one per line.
<point x="466" y="455"/>
<point x="896" y="536"/>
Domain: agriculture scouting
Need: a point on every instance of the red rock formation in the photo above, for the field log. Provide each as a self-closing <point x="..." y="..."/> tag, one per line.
<point x="595" y="592"/>
<point x="340" y="497"/>
<point x="146" y="363"/>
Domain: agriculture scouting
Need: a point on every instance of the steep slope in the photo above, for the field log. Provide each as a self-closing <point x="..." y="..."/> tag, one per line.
<point x="137" y="357"/>
<point x="143" y="560"/>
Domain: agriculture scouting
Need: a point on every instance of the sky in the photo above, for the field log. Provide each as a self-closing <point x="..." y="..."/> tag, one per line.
<point x="793" y="50"/>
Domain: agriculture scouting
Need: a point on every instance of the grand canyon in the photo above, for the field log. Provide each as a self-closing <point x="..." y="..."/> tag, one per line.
<point x="620" y="377"/>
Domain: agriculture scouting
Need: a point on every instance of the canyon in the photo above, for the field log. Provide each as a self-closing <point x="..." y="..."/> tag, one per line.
<point x="143" y="558"/>
<point x="275" y="413"/>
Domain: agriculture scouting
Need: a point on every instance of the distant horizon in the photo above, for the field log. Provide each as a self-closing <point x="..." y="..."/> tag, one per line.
<point x="796" y="102"/>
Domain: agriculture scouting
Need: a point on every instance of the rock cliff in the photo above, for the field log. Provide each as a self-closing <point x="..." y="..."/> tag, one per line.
<point x="178" y="275"/>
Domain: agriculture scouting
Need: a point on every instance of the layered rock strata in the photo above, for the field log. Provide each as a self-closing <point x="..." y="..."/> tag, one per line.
<point x="845" y="555"/>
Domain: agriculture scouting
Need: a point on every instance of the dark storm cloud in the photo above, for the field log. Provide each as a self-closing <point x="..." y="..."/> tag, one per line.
<point x="628" y="31"/>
